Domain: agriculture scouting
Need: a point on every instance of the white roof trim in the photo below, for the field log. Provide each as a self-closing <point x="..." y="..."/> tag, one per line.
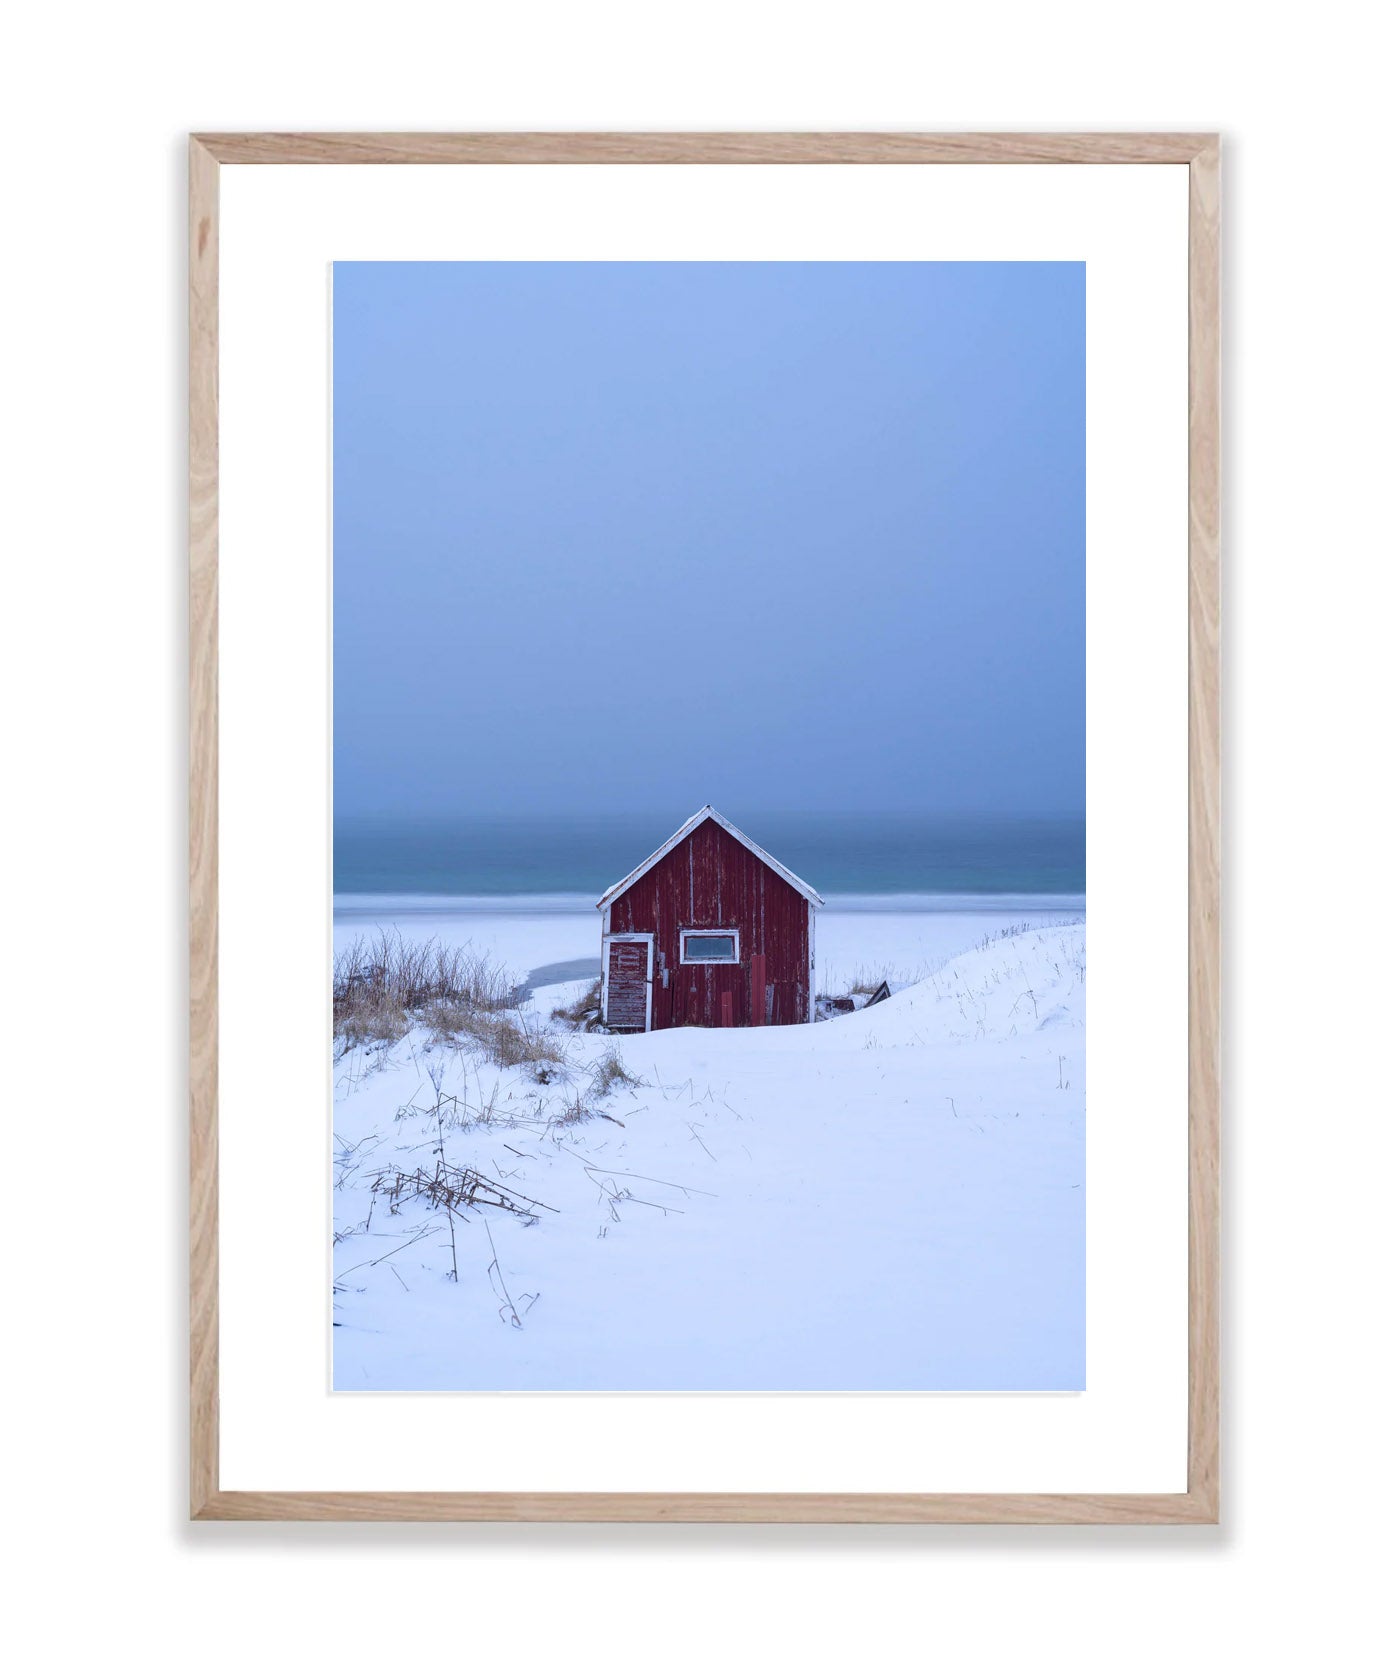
<point x="708" y="811"/>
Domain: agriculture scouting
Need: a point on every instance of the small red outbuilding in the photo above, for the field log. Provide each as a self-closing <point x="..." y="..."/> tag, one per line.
<point x="709" y="931"/>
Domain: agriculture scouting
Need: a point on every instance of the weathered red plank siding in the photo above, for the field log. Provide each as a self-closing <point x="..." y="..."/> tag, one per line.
<point x="711" y="881"/>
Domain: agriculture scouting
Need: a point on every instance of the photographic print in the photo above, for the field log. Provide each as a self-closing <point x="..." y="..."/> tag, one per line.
<point x="709" y="960"/>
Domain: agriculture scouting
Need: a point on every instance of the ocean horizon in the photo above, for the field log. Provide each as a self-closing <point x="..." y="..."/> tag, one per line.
<point x="574" y="860"/>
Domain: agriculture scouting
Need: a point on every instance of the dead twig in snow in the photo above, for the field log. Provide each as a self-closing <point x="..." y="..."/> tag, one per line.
<point x="452" y="1233"/>
<point x="452" y="1188"/>
<point x="627" y="1196"/>
<point x="701" y="1142"/>
<point x="392" y="1251"/>
<point x="617" y="1172"/>
<point x="500" y="1282"/>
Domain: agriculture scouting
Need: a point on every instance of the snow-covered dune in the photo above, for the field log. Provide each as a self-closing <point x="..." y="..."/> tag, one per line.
<point x="893" y="1199"/>
<point x="1004" y="988"/>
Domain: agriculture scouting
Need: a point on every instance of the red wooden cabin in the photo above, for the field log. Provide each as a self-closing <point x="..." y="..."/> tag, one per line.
<point x="709" y="931"/>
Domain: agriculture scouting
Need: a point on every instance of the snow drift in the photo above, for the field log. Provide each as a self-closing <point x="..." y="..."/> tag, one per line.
<point x="890" y="1200"/>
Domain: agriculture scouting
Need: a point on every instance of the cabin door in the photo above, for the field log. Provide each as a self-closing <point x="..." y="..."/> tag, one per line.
<point x="627" y="981"/>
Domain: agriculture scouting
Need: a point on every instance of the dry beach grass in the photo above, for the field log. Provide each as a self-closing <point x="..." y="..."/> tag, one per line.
<point x="385" y="985"/>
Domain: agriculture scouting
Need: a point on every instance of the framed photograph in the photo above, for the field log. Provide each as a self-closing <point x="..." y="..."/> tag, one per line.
<point x="684" y="628"/>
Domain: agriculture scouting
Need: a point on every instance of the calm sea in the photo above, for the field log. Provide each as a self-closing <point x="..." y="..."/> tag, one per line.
<point x="866" y="854"/>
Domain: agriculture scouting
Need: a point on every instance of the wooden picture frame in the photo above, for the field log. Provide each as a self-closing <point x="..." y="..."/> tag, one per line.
<point x="1200" y="152"/>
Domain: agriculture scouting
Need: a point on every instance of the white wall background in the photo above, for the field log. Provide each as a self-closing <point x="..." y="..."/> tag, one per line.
<point x="96" y="101"/>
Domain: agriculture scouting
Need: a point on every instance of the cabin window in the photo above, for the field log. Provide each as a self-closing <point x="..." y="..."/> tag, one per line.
<point x="709" y="945"/>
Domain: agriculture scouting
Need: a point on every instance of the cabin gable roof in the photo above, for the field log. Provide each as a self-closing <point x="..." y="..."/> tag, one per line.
<point x="708" y="812"/>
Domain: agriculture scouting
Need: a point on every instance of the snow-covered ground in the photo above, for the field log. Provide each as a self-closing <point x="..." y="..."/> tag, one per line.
<point x="890" y="1200"/>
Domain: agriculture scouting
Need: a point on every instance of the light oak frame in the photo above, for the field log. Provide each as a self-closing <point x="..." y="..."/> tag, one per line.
<point x="1201" y="153"/>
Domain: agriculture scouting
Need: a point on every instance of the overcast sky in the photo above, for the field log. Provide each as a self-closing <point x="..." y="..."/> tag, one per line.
<point x="641" y="536"/>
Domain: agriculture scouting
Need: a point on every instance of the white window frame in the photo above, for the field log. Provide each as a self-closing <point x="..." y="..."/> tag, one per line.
<point x="709" y="933"/>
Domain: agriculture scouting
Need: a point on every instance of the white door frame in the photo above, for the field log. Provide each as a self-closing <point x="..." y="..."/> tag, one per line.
<point x="649" y="940"/>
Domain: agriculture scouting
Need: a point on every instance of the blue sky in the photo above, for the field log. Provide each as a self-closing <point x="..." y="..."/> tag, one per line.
<point x="638" y="537"/>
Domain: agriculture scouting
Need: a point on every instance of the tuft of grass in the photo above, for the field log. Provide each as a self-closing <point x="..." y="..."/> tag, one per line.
<point x="371" y="1020"/>
<point x="506" y="1039"/>
<point x="450" y="1019"/>
<point x="585" y="1010"/>
<point x="610" y="1072"/>
<point x="511" y="1041"/>
<point x="573" y="1113"/>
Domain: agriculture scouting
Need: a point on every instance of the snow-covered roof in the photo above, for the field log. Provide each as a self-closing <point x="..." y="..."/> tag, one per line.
<point x="688" y="827"/>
